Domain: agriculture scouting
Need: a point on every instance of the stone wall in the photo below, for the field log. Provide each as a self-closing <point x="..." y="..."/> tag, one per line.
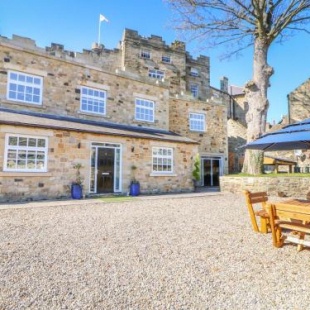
<point x="299" y="109"/>
<point x="177" y="71"/>
<point x="202" y="65"/>
<point x="124" y="75"/>
<point x="132" y="61"/>
<point x="65" y="148"/>
<point x="236" y="139"/>
<point x="214" y="139"/>
<point x="299" y="103"/>
<point x="236" y="128"/>
<point x="294" y="186"/>
<point x="63" y="79"/>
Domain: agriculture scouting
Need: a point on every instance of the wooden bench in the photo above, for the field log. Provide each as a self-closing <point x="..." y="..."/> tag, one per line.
<point x="260" y="198"/>
<point x="290" y="222"/>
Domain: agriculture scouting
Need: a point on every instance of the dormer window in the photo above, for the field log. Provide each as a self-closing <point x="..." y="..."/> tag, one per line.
<point x="194" y="72"/>
<point x="146" y="54"/>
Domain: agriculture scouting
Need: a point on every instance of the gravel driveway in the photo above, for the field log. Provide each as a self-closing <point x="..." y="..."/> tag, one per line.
<point x="166" y="253"/>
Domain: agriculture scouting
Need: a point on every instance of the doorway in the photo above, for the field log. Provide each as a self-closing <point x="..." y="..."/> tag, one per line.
<point x="105" y="168"/>
<point x="211" y="171"/>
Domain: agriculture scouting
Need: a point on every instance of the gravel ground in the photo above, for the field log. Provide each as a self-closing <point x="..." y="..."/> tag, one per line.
<point x="164" y="253"/>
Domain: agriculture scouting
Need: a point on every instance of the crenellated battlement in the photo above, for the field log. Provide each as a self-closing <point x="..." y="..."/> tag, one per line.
<point x="94" y="56"/>
<point x="147" y="59"/>
<point x="96" y="52"/>
<point x="154" y="40"/>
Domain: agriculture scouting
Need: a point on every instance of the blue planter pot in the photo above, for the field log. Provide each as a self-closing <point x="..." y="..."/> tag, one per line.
<point x="134" y="189"/>
<point x="76" y="191"/>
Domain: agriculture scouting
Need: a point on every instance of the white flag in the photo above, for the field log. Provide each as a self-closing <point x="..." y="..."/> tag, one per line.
<point x="102" y="18"/>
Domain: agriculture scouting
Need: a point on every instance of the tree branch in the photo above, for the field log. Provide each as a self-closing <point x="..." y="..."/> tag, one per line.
<point x="213" y="19"/>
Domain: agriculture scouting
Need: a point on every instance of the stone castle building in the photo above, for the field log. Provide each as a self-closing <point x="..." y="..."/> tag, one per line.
<point x="142" y="110"/>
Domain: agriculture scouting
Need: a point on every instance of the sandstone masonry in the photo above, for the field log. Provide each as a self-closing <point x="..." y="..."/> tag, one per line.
<point x="144" y="104"/>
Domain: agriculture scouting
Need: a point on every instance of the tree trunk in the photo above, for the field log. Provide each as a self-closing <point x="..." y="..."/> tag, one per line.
<point x="256" y="97"/>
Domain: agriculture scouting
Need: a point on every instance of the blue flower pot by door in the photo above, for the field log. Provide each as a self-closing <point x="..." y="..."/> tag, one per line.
<point x="76" y="191"/>
<point x="134" y="189"/>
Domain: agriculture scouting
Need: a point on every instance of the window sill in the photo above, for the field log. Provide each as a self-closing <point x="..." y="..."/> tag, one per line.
<point x="198" y="131"/>
<point x="163" y="175"/>
<point x="24" y="174"/>
<point x="144" y="121"/>
<point x="91" y="113"/>
<point x="21" y="103"/>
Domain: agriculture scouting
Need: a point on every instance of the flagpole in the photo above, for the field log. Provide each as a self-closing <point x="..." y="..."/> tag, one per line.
<point x="101" y="18"/>
<point x="99" y="32"/>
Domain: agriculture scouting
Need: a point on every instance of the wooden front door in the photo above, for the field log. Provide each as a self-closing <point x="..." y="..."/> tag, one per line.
<point x="105" y="170"/>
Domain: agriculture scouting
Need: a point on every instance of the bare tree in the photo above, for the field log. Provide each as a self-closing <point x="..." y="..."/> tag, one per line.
<point x="240" y="24"/>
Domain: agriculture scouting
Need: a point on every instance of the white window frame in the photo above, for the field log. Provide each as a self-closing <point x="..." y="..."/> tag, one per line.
<point x="197" y="122"/>
<point x="161" y="157"/>
<point x="166" y="59"/>
<point x="23" y="149"/>
<point x="194" y="72"/>
<point x="194" y="88"/>
<point x="92" y="99"/>
<point x="26" y="87"/>
<point x="144" y="110"/>
<point x="146" y="54"/>
<point x="156" y="74"/>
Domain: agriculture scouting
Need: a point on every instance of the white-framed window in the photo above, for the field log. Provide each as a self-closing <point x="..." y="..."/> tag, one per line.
<point x="25" y="153"/>
<point x="197" y="122"/>
<point x="156" y="74"/>
<point x="93" y="100"/>
<point x="162" y="160"/>
<point x="144" y="110"/>
<point x="145" y="54"/>
<point x="24" y="87"/>
<point x="194" y="90"/>
<point x="166" y="59"/>
<point x="194" y="72"/>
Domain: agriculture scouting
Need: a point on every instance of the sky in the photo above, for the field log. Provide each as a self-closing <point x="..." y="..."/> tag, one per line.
<point x="75" y="24"/>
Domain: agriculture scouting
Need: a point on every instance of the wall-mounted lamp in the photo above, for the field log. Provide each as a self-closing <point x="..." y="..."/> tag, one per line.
<point x="132" y="149"/>
<point x="79" y="145"/>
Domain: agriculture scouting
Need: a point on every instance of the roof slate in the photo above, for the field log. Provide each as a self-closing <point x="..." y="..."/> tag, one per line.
<point x="33" y="119"/>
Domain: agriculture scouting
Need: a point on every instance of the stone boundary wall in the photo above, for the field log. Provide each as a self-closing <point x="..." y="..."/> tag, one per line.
<point x="275" y="186"/>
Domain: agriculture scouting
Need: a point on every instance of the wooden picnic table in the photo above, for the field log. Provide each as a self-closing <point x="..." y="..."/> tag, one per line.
<point x="297" y="202"/>
<point x="292" y="215"/>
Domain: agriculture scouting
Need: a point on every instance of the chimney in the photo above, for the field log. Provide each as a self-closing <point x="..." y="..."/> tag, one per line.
<point x="224" y="84"/>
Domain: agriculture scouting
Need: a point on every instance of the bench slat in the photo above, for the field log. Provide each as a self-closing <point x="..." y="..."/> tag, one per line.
<point x="295" y="227"/>
<point x="288" y="217"/>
